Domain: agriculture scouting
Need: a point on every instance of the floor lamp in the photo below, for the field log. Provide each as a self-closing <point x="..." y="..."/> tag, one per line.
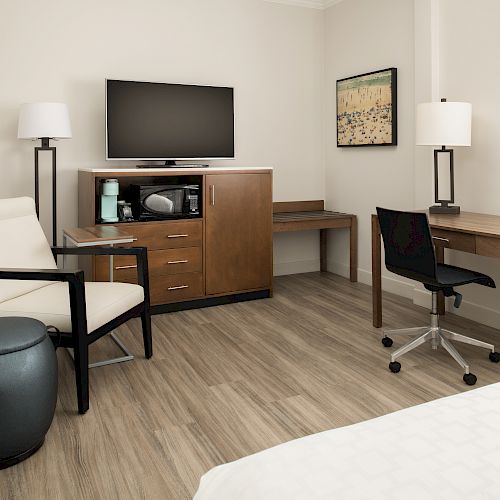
<point x="444" y="124"/>
<point x="45" y="121"/>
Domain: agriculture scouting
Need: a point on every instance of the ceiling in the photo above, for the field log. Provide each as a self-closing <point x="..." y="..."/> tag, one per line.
<point x="313" y="4"/>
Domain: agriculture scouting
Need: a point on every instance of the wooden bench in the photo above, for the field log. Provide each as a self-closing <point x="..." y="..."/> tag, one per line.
<point x="308" y="215"/>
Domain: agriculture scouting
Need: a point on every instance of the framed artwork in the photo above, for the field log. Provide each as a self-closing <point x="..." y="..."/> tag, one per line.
<point x="367" y="109"/>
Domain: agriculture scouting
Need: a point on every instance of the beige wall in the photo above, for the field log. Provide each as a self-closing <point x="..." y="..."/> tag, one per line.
<point x="363" y="36"/>
<point x="272" y="54"/>
<point x="442" y="48"/>
<point x="464" y="58"/>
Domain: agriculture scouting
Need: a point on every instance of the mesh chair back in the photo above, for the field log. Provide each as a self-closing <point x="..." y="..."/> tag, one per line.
<point x="409" y="250"/>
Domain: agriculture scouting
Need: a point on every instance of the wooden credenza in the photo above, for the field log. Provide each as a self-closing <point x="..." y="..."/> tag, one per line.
<point x="226" y="252"/>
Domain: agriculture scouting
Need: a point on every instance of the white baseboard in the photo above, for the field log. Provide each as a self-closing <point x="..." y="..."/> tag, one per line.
<point x="470" y="310"/>
<point x="296" y="267"/>
<point x="389" y="284"/>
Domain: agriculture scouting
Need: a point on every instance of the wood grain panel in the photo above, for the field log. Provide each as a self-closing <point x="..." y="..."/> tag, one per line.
<point x="238" y="246"/>
<point x="468" y="222"/>
<point x="489" y="247"/>
<point x="171" y="234"/>
<point x="160" y="263"/>
<point x="298" y="206"/>
<point x="455" y="240"/>
<point x="176" y="287"/>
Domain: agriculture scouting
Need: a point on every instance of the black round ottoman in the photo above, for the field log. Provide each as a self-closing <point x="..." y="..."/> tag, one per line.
<point x="28" y="388"/>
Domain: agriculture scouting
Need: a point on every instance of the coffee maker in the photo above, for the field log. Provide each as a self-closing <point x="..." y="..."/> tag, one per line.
<point x="109" y="189"/>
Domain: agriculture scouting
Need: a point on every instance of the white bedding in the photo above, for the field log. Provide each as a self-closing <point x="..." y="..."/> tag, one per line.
<point x="445" y="449"/>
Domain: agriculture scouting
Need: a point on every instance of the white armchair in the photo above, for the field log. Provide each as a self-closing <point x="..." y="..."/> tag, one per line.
<point x="32" y="286"/>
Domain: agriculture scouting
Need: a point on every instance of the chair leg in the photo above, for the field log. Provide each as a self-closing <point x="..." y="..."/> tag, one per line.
<point x="81" y="352"/>
<point x="418" y="330"/>
<point x="411" y="345"/>
<point x="454" y="354"/>
<point x="146" y="333"/>
<point x="467" y="340"/>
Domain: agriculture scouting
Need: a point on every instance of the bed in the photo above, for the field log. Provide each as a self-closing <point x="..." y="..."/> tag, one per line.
<point x="441" y="450"/>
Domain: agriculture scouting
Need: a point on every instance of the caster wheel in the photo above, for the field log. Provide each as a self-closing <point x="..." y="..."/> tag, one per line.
<point x="395" y="367"/>
<point x="494" y="357"/>
<point x="387" y="342"/>
<point x="470" y="379"/>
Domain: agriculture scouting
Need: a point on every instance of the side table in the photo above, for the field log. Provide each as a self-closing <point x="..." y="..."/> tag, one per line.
<point x="100" y="236"/>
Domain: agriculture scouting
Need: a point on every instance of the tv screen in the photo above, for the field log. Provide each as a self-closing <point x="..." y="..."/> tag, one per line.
<point x="160" y="121"/>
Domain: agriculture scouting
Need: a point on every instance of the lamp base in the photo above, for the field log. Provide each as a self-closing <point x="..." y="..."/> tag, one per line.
<point x="444" y="209"/>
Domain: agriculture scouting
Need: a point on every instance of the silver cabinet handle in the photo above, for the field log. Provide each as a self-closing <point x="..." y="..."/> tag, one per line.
<point x="446" y="240"/>
<point x="212" y="195"/>
<point x="177" y="261"/>
<point x="177" y="235"/>
<point x="134" y="266"/>
<point x="178" y="287"/>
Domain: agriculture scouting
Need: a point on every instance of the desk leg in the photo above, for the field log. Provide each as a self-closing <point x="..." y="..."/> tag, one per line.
<point x="353" y="255"/>
<point x="439" y="249"/>
<point x="376" y="274"/>
<point x="323" y="250"/>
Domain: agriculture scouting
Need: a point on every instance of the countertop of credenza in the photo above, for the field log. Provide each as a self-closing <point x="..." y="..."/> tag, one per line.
<point x="174" y="170"/>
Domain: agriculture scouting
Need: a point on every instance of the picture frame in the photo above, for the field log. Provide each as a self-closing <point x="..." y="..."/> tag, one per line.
<point x="367" y="109"/>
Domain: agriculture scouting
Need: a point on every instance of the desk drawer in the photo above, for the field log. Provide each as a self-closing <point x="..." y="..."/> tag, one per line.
<point x="456" y="241"/>
<point x="175" y="234"/>
<point x="489" y="247"/>
<point x="176" y="287"/>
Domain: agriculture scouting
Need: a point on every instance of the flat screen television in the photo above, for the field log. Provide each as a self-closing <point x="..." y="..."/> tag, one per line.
<point x="163" y="121"/>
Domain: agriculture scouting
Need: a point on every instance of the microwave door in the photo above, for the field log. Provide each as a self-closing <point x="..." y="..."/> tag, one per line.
<point x="159" y="203"/>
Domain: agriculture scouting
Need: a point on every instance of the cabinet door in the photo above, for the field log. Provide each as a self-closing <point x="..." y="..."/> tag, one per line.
<point x="238" y="214"/>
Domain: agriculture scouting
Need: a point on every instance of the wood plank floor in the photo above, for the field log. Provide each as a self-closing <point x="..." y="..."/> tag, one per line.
<point x="232" y="380"/>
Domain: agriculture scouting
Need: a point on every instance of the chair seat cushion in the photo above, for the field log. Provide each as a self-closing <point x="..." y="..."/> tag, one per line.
<point x="448" y="275"/>
<point x="50" y="304"/>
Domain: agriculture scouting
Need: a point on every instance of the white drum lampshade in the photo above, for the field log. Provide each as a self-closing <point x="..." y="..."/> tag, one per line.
<point x="44" y="119"/>
<point x="444" y="124"/>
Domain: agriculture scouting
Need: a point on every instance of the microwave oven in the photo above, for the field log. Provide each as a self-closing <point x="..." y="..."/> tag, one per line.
<point x="158" y="202"/>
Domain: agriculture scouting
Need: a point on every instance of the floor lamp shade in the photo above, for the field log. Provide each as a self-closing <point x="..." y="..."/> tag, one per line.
<point x="44" y="119"/>
<point x="444" y="124"/>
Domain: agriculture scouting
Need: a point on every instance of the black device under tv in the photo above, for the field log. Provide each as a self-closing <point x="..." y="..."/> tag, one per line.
<point x="168" y="122"/>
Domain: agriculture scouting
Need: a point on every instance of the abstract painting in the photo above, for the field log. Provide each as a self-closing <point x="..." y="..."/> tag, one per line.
<point x="367" y="109"/>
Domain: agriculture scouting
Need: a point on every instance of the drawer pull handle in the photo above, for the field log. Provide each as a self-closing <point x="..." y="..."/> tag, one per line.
<point x="445" y="240"/>
<point x="178" y="287"/>
<point x="133" y="266"/>
<point x="177" y="261"/>
<point x="212" y="195"/>
<point x="177" y="235"/>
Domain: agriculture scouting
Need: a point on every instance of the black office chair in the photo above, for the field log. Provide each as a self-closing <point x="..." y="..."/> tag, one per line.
<point x="409" y="252"/>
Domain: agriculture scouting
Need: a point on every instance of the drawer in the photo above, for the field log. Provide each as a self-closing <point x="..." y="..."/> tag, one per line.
<point x="456" y="241"/>
<point x="124" y="268"/>
<point x="177" y="287"/>
<point x="489" y="247"/>
<point x="160" y="263"/>
<point x="172" y="234"/>
<point x="175" y="261"/>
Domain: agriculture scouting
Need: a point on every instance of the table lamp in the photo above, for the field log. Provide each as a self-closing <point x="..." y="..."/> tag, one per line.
<point x="444" y="124"/>
<point x="45" y="121"/>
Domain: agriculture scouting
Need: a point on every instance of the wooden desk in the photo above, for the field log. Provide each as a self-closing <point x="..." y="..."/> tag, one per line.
<point x="308" y="215"/>
<point x="469" y="232"/>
